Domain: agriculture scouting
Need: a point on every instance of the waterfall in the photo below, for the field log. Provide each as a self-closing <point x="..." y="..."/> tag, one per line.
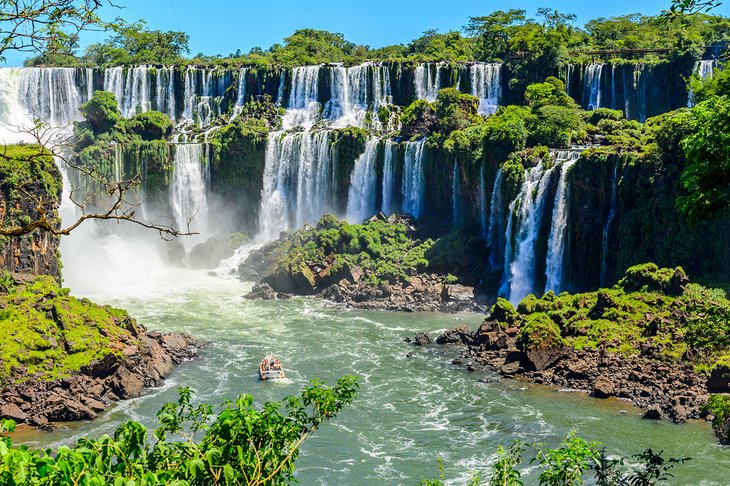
<point x="494" y="240"/>
<point x="613" y="86"/>
<point x="592" y="86"/>
<point x="388" y="177"/>
<point x="413" y="178"/>
<point x="241" y="93"/>
<point x="529" y="206"/>
<point x="303" y="108"/>
<point x="483" y="200"/>
<point x="297" y="186"/>
<point x="354" y="91"/>
<point x="204" y="91"/>
<point x="132" y="90"/>
<point x="705" y="70"/>
<point x="188" y="197"/>
<point x="13" y="115"/>
<point x="361" y="197"/>
<point x="640" y="82"/>
<point x="455" y="195"/>
<point x="427" y="79"/>
<point x="486" y="84"/>
<point x="607" y="226"/>
<point x="50" y="94"/>
<point x="556" y="240"/>
<point x="568" y="79"/>
<point x="165" y="98"/>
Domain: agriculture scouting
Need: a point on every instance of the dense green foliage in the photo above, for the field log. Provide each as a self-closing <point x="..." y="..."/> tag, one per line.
<point x="384" y="251"/>
<point x="49" y="335"/>
<point x="707" y="173"/>
<point x="243" y="444"/>
<point x="649" y="307"/>
<point x="574" y="461"/>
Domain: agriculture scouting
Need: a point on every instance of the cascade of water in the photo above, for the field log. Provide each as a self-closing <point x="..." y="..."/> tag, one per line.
<point x="641" y="80"/>
<point x="495" y="230"/>
<point x="568" y="78"/>
<point x="361" y="197"/>
<point x="483" y="200"/>
<point x="133" y="89"/>
<point x="455" y="194"/>
<point x="592" y="86"/>
<point x="486" y="84"/>
<point x="427" y="79"/>
<point x="613" y="86"/>
<point x="50" y="94"/>
<point x="556" y="240"/>
<point x="388" y="177"/>
<point x="532" y="197"/>
<point x="413" y="179"/>
<point x="165" y="91"/>
<point x="303" y="108"/>
<point x="188" y="194"/>
<point x="705" y="70"/>
<point x="607" y="226"/>
<point x="13" y="115"/>
<point x="241" y="93"/>
<point x="297" y="182"/>
<point x="204" y="90"/>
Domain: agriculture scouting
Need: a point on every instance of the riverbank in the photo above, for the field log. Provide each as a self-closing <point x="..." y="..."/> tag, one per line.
<point x="65" y="359"/>
<point x="654" y="339"/>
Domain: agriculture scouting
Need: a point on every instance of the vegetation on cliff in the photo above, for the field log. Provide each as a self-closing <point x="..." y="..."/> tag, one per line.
<point x="650" y="308"/>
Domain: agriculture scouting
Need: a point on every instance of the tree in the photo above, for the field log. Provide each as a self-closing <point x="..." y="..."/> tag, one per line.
<point x="681" y="7"/>
<point x="39" y="25"/>
<point x="134" y="44"/>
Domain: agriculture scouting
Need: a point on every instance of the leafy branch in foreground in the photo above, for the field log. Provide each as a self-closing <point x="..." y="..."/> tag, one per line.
<point x="43" y="25"/>
<point x="242" y="445"/>
<point x="570" y="463"/>
<point x="690" y="7"/>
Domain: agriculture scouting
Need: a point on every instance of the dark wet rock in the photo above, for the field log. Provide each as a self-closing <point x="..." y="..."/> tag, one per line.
<point x="460" y="335"/>
<point x="261" y="291"/>
<point x="719" y="381"/>
<point x="422" y="339"/>
<point x="210" y="254"/>
<point x="653" y="413"/>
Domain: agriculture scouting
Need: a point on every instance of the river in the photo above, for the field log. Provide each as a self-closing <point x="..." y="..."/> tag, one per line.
<point x="409" y="411"/>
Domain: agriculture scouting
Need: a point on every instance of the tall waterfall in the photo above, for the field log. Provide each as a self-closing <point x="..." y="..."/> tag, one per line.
<point x="495" y="242"/>
<point x="413" y="178"/>
<point x="455" y="194"/>
<point x="705" y="70"/>
<point x="355" y="91"/>
<point x="204" y="90"/>
<point x="529" y="206"/>
<point x="592" y="86"/>
<point x="361" y="197"/>
<point x="132" y="90"/>
<point x="188" y="195"/>
<point x="13" y="114"/>
<point x="486" y="84"/>
<point x="427" y="79"/>
<point x="241" y="91"/>
<point x="556" y="240"/>
<point x="483" y="200"/>
<point x="297" y="186"/>
<point x="50" y="94"/>
<point x="388" y="177"/>
<point x="607" y="226"/>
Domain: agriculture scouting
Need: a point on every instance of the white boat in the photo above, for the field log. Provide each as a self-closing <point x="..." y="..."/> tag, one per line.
<point x="270" y="369"/>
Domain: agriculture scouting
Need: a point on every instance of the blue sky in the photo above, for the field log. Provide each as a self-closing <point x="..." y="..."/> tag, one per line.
<point x="221" y="27"/>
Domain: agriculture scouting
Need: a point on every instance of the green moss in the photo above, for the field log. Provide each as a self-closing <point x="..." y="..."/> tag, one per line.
<point x="538" y="331"/>
<point x="49" y="335"/>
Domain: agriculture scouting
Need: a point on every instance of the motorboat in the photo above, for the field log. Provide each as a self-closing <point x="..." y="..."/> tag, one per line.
<point x="270" y="369"/>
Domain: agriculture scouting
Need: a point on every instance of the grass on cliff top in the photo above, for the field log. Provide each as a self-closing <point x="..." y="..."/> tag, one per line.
<point x="642" y="311"/>
<point x="383" y="249"/>
<point x="47" y="334"/>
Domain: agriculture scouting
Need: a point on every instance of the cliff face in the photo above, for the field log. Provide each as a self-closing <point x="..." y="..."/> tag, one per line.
<point x="29" y="181"/>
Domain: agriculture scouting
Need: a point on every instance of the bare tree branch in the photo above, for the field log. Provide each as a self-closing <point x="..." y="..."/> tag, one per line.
<point x="51" y="143"/>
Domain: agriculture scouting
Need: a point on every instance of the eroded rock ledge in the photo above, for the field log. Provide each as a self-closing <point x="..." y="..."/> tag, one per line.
<point x="65" y="359"/>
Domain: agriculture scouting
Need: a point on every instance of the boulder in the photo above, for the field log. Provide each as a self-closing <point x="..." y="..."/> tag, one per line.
<point x="261" y="291"/>
<point x="13" y="412"/>
<point x="653" y="413"/>
<point x="210" y="254"/>
<point x="422" y="339"/>
<point x="458" y="335"/>
<point x="604" y="387"/>
<point x="719" y="381"/>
